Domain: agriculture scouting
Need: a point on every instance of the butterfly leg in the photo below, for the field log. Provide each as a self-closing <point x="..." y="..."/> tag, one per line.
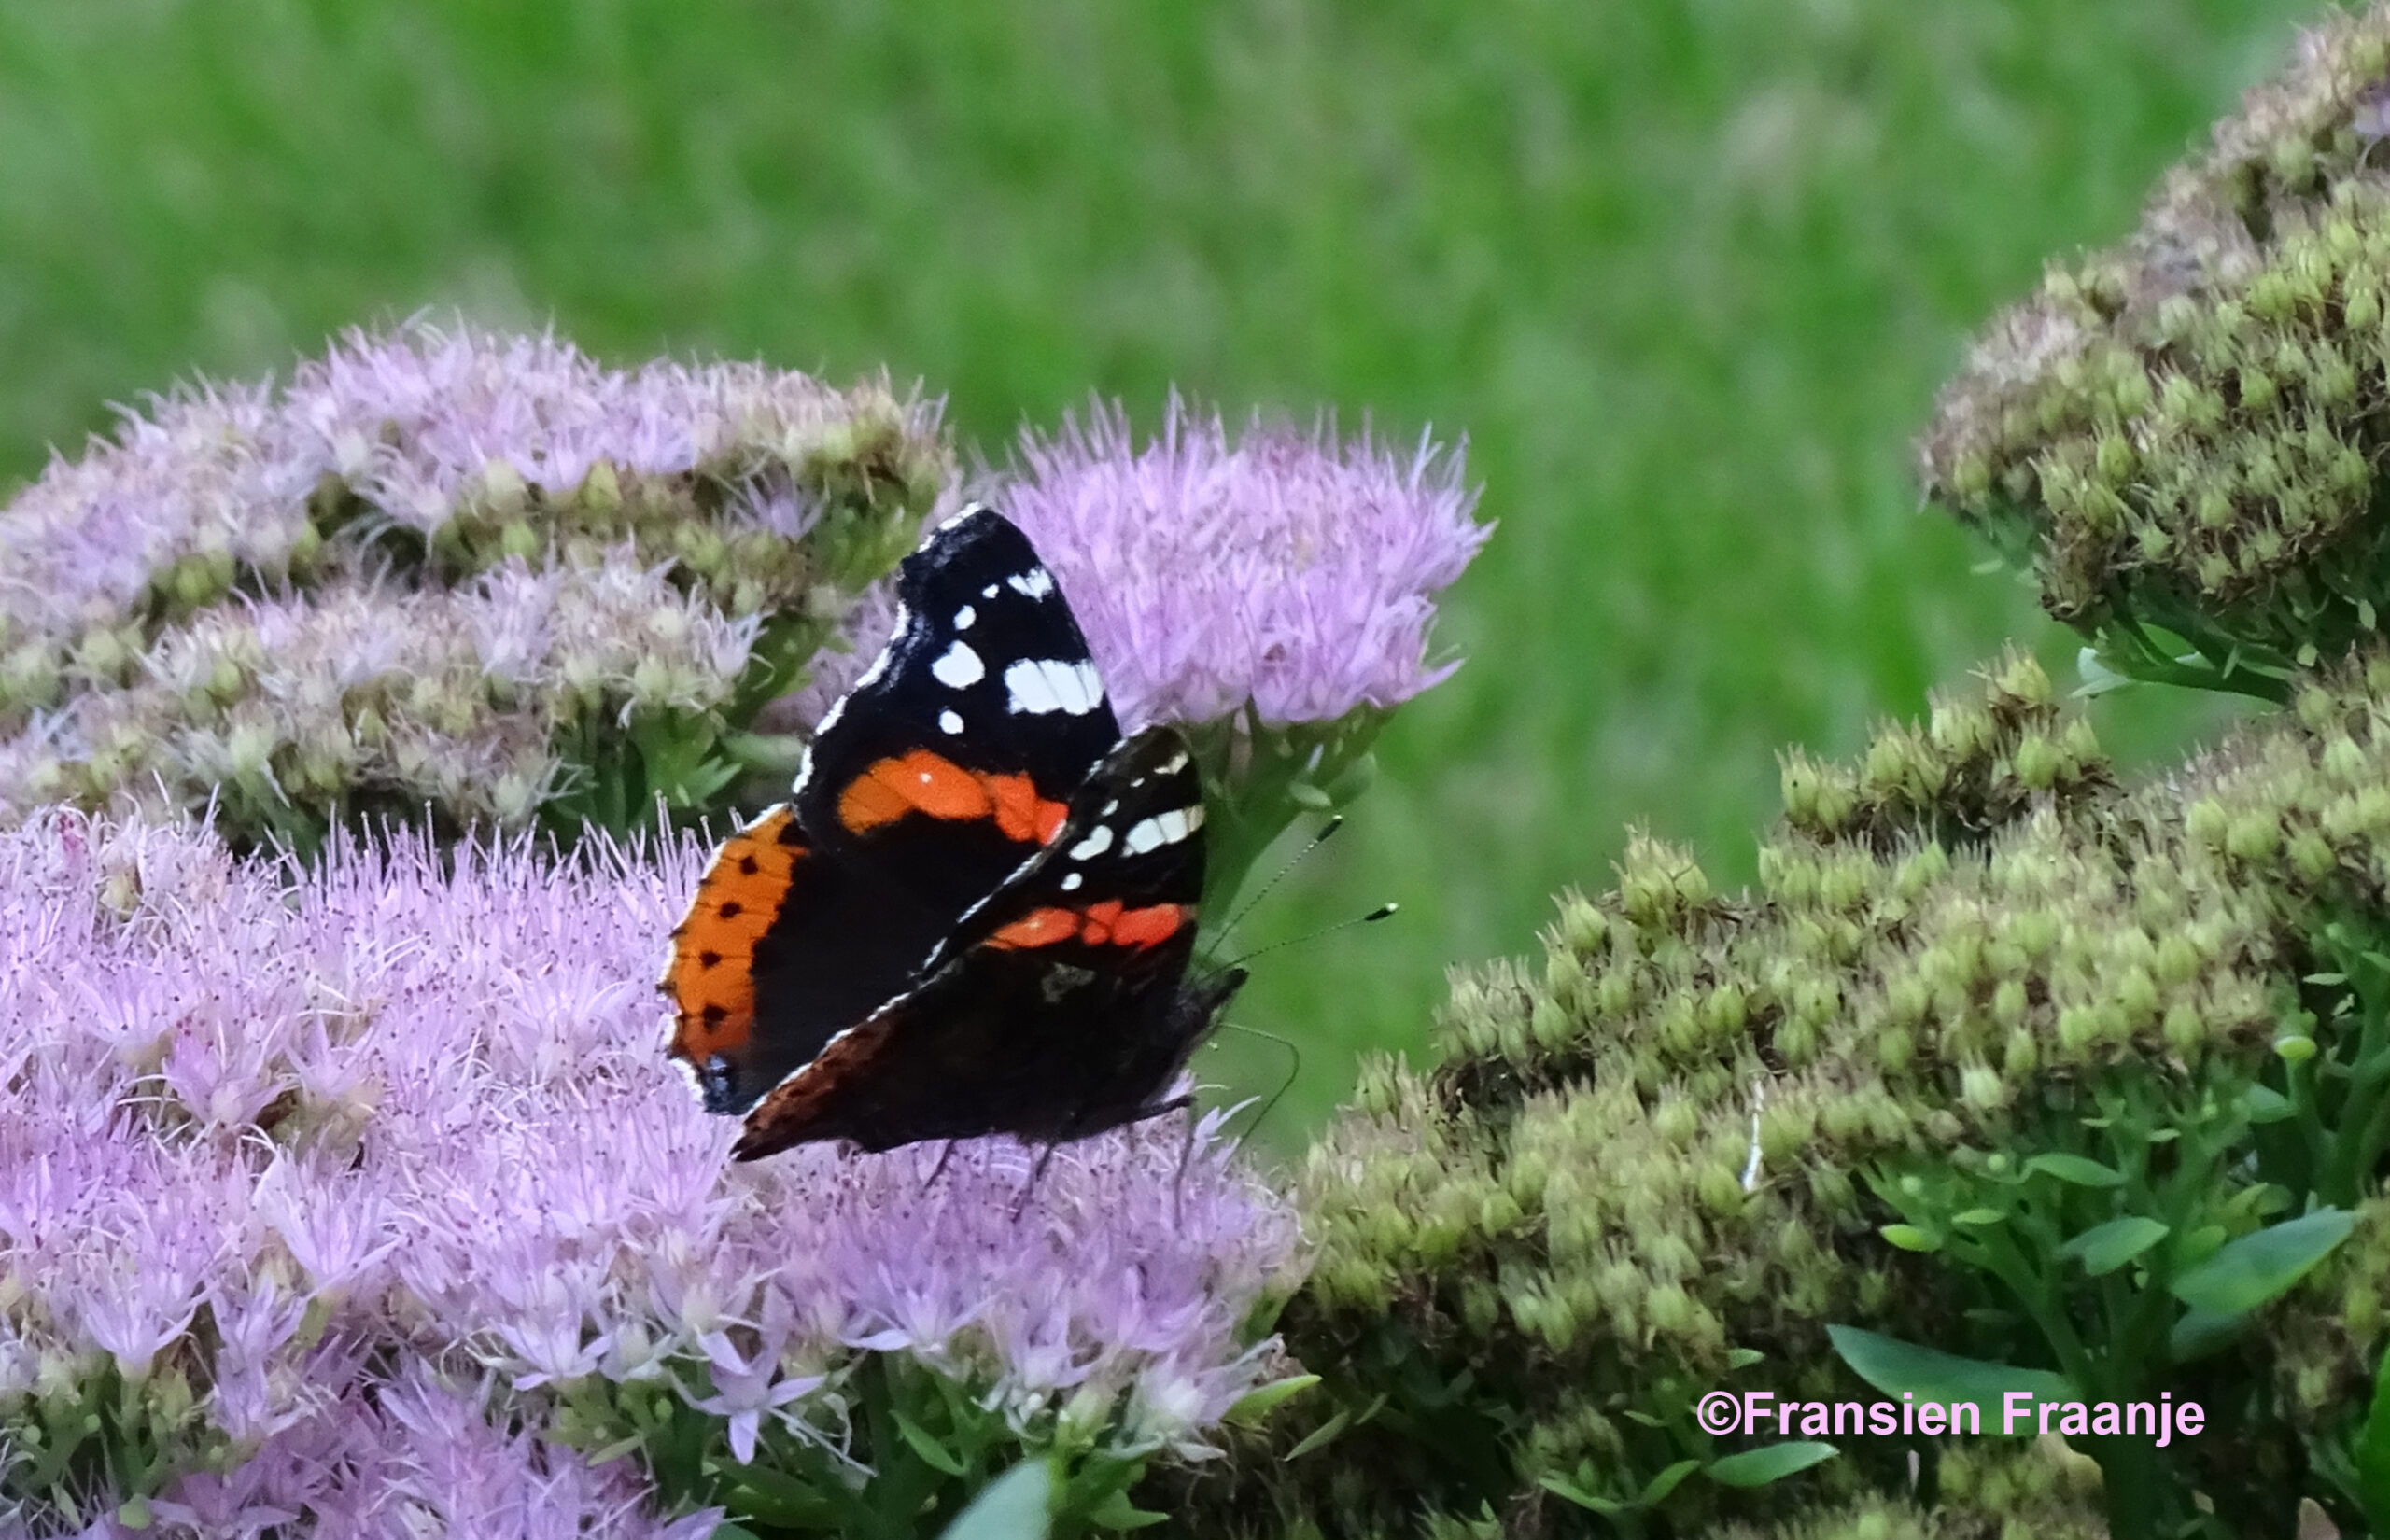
<point x="1036" y="1173"/>
<point x="1178" y="1182"/>
<point x="939" y="1169"/>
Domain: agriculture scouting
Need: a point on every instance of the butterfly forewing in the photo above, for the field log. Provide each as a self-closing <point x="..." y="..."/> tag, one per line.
<point x="956" y="755"/>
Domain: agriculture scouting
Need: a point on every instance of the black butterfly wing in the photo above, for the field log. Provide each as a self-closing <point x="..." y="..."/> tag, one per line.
<point x="947" y="766"/>
<point x="781" y="947"/>
<point x="955" y="756"/>
<point x="1058" y="1007"/>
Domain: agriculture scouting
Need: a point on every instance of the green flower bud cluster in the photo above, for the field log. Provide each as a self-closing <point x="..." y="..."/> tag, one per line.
<point x="2021" y="1501"/>
<point x="463" y="579"/>
<point x="2018" y="1490"/>
<point x="2332" y="1332"/>
<point x="2181" y="431"/>
<point x="1649" y="1159"/>
<point x="1973" y="767"/>
<point x="372" y="701"/>
<point x="1867" y="1519"/>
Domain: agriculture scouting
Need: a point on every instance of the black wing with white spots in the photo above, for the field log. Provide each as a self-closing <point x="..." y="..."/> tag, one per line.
<point x="986" y="681"/>
<point x="1059" y="1008"/>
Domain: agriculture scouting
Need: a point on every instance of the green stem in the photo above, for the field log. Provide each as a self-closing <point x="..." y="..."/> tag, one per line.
<point x="2307" y="1109"/>
<point x="2142" y="1501"/>
<point x="2032" y="1289"/>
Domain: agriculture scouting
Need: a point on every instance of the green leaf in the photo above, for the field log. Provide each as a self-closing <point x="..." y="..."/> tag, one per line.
<point x="1768" y="1463"/>
<point x="1896" y="1367"/>
<point x="2262" y="1267"/>
<point x="934" y="1454"/>
<point x="1258" y="1404"/>
<point x="775" y="1497"/>
<point x="1666" y="1482"/>
<point x="2080" y="1170"/>
<point x="1322" y="1433"/>
<point x="1908" y="1238"/>
<point x="1743" y="1358"/>
<point x="1978" y="1218"/>
<point x="1579" y="1497"/>
<point x="1356" y="779"/>
<point x="2199" y="1333"/>
<point x="1116" y="1512"/>
<point x="2373" y="1453"/>
<point x="2104" y="1248"/>
<point x="1015" y="1506"/>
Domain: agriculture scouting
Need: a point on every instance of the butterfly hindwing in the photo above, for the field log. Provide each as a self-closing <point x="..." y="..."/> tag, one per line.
<point x="1057" y="1008"/>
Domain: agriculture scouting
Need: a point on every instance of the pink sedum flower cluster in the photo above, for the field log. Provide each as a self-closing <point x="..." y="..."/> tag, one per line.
<point x="338" y="1174"/>
<point x="442" y="568"/>
<point x="1288" y="568"/>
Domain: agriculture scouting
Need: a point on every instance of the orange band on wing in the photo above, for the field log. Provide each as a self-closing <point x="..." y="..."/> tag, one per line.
<point x="712" y="975"/>
<point x="1106" y="924"/>
<point x="922" y="781"/>
<point x="1020" y="812"/>
<point x="1147" y="927"/>
<point x="1038" y="927"/>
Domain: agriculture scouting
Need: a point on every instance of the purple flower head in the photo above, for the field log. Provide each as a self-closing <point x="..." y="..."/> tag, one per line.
<point x="400" y="1107"/>
<point x="1287" y="567"/>
<point x="441" y="566"/>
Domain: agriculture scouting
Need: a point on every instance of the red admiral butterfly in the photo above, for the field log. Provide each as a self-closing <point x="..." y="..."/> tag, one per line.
<point x="975" y="914"/>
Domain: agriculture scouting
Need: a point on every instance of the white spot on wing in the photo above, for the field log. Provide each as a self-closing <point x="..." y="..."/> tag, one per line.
<point x="949" y="721"/>
<point x="989" y="592"/>
<point x="1037" y="686"/>
<point x="1035" y="583"/>
<point x="964" y="616"/>
<point x="1095" y="845"/>
<point x="1162" y="829"/>
<point x="1071" y="883"/>
<point x="959" y="668"/>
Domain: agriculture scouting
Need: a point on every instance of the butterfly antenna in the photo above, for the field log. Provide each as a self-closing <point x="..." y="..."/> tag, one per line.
<point x="1270" y="1103"/>
<point x="1384" y="911"/>
<point x="1326" y="832"/>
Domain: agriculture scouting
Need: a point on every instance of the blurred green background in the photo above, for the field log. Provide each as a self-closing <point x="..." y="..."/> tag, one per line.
<point x="1685" y="271"/>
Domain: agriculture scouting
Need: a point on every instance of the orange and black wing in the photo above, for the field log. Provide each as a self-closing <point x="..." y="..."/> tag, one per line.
<point x="1058" y="1008"/>
<point x="949" y="764"/>
<point x="781" y="947"/>
<point x="954" y="758"/>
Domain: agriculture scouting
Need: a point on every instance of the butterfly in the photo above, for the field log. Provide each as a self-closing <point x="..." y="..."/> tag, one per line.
<point x="976" y="912"/>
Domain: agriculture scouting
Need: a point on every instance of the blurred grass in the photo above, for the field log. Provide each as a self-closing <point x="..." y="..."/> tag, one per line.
<point x="1686" y="272"/>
